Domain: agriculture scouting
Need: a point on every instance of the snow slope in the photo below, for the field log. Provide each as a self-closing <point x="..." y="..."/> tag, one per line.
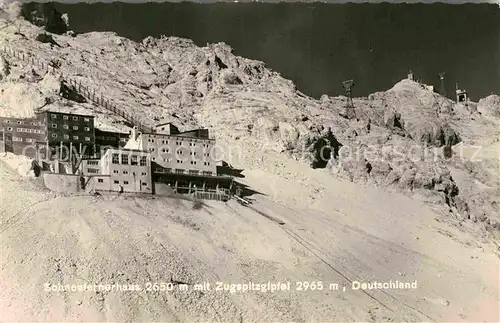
<point x="118" y="240"/>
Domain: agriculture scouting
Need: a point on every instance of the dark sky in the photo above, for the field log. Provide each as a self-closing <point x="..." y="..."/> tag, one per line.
<point x="320" y="45"/>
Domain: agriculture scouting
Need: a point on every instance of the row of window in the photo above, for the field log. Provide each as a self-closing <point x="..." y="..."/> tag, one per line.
<point x="65" y="126"/>
<point x="28" y="130"/>
<point x="178" y="143"/>
<point x="182" y="171"/>
<point x="19" y="139"/>
<point x="54" y="135"/>
<point x="125" y="172"/>
<point x="100" y="180"/>
<point x="193" y="162"/>
<point x="193" y="153"/>
<point x="75" y="118"/>
<point x="115" y="159"/>
<point x="22" y="122"/>
<point x="126" y="183"/>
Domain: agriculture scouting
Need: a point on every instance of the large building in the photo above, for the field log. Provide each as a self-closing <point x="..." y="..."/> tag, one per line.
<point x="184" y="161"/>
<point x="70" y="130"/>
<point x="125" y="170"/>
<point x="190" y="153"/>
<point x="22" y="136"/>
<point x="48" y="130"/>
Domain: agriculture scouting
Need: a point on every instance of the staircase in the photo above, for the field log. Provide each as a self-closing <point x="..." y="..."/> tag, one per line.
<point x="85" y="91"/>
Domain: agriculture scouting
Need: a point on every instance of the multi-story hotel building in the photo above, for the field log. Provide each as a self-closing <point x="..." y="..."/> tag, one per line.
<point x="22" y="136"/>
<point x="184" y="153"/>
<point x="48" y="130"/>
<point x="65" y="129"/>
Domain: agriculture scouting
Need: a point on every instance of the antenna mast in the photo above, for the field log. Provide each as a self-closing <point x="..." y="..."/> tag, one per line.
<point x="442" y="89"/>
<point x="348" y="89"/>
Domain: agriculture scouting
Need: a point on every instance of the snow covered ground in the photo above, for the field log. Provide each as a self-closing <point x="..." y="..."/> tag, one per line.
<point x="362" y="234"/>
<point x="400" y="220"/>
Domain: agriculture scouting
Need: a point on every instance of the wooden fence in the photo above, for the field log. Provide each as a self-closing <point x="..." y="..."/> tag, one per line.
<point x="85" y="91"/>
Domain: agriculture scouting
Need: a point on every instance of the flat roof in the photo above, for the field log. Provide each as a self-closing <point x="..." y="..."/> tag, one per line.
<point x="127" y="149"/>
<point x="192" y="175"/>
<point x="67" y="113"/>
<point x="175" y="135"/>
<point x="165" y="123"/>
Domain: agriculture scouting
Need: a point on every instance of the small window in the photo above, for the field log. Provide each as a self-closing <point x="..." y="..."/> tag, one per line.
<point x="54" y="125"/>
<point x="125" y="182"/>
<point x="144" y="184"/>
<point x="66" y="126"/>
<point x="75" y="127"/>
<point x="53" y="116"/>
<point x="115" y="159"/>
<point x="87" y="138"/>
<point x="7" y="121"/>
<point x="133" y="160"/>
<point x="115" y="171"/>
<point x="124" y="159"/>
<point x="87" y="129"/>
<point x="9" y="129"/>
<point x="144" y="174"/>
<point x="54" y="135"/>
<point x="99" y="180"/>
<point x="86" y="119"/>
<point x="143" y="161"/>
<point x="75" y="137"/>
<point x="116" y="182"/>
<point x="33" y="124"/>
<point x="65" y="117"/>
<point x="66" y="136"/>
<point x="75" y="118"/>
<point x="125" y="172"/>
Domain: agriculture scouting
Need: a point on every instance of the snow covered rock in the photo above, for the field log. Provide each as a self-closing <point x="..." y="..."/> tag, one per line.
<point x="490" y="106"/>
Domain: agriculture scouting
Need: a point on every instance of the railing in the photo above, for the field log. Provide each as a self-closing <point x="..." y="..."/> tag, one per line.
<point x="85" y="91"/>
<point x="211" y="196"/>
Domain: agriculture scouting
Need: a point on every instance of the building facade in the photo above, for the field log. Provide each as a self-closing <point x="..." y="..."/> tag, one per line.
<point x="23" y="136"/>
<point x="128" y="170"/>
<point x="65" y="129"/>
<point x="33" y="137"/>
<point x="182" y="154"/>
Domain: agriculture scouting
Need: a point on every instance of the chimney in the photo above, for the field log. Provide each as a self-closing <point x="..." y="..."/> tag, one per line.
<point x="134" y="133"/>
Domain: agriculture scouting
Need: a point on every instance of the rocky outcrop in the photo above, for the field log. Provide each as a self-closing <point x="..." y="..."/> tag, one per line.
<point x="490" y="106"/>
<point x="45" y="15"/>
<point x="240" y="100"/>
<point x="4" y="68"/>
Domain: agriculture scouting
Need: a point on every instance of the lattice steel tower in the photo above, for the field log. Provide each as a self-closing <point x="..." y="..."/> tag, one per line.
<point x="442" y="88"/>
<point x="348" y="89"/>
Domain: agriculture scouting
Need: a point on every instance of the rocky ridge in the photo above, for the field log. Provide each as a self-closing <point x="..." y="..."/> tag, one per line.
<point x="392" y="139"/>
